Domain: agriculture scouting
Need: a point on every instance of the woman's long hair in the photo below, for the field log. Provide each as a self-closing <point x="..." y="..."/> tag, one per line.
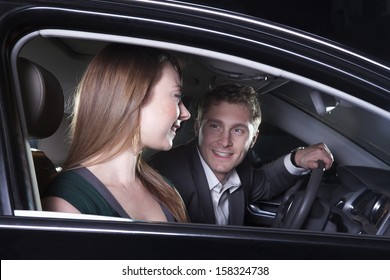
<point x="106" y="118"/>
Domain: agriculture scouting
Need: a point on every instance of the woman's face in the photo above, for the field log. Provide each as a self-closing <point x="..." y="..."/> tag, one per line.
<point x="163" y="111"/>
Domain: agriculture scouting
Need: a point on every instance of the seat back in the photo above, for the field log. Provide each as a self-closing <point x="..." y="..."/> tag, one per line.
<point x="43" y="102"/>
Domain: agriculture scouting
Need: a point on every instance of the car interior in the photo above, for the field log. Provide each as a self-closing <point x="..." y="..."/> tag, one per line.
<point x="353" y="197"/>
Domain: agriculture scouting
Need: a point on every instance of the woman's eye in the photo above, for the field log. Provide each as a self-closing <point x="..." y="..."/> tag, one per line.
<point x="179" y="96"/>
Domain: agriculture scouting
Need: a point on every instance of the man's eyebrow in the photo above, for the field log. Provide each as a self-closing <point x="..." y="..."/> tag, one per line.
<point x="213" y="120"/>
<point x="234" y="125"/>
<point x="241" y="125"/>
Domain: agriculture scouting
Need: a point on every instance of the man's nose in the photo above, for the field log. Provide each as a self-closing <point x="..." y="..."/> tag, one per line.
<point x="226" y="139"/>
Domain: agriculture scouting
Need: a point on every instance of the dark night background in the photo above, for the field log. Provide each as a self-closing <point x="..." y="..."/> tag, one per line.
<point x="361" y="24"/>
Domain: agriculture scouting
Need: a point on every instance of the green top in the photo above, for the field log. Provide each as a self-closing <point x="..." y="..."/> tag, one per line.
<point x="88" y="194"/>
<point x="76" y="190"/>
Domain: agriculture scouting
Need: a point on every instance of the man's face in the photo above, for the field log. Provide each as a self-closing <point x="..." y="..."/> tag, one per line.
<point x="225" y="136"/>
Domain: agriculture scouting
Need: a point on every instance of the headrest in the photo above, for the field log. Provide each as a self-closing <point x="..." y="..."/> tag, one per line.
<point x="43" y="99"/>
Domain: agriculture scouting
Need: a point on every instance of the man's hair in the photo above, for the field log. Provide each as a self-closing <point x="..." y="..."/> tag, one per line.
<point x="233" y="94"/>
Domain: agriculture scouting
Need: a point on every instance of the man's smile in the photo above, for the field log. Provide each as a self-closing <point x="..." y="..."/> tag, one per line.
<point x="222" y="154"/>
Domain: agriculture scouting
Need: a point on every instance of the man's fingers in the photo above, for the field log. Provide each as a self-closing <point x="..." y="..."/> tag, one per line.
<point x="310" y="156"/>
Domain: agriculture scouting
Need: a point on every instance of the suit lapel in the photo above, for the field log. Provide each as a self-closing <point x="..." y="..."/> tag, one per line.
<point x="238" y="200"/>
<point x="236" y="207"/>
<point x="206" y="208"/>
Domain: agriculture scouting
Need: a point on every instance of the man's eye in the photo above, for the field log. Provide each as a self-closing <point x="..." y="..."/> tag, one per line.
<point x="239" y="131"/>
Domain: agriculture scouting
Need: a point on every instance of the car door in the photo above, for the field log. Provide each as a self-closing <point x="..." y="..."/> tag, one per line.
<point x="26" y="233"/>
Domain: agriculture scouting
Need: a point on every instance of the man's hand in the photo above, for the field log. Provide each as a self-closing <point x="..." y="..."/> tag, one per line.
<point x="307" y="158"/>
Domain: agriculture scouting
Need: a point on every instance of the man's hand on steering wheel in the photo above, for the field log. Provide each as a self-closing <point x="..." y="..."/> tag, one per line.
<point x="308" y="157"/>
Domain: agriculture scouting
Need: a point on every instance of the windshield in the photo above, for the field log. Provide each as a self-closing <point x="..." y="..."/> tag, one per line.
<point x="366" y="129"/>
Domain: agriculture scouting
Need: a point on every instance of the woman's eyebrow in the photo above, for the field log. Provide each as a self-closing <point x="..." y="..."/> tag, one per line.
<point x="179" y="87"/>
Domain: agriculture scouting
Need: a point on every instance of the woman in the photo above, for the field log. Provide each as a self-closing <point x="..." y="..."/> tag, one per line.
<point x="129" y="99"/>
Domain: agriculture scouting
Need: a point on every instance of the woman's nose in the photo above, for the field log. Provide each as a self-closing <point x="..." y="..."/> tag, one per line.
<point x="184" y="113"/>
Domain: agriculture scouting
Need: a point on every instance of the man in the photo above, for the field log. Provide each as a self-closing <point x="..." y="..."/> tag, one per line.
<point x="213" y="173"/>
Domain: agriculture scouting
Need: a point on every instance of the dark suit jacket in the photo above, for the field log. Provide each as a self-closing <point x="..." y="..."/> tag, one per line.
<point x="182" y="166"/>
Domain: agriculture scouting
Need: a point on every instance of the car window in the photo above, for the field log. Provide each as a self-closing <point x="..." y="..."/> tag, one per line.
<point x="296" y="110"/>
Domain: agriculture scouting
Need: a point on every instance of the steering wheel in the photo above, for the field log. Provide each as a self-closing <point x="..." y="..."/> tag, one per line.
<point x="295" y="206"/>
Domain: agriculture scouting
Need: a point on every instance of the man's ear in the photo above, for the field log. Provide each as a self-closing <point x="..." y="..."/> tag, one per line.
<point x="254" y="138"/>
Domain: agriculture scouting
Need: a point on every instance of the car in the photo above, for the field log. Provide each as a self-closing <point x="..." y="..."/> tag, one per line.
<point x="311" y="90"/>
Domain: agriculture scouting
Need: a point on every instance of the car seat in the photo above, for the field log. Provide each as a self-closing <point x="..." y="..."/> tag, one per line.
<point x="43" y="103"/>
